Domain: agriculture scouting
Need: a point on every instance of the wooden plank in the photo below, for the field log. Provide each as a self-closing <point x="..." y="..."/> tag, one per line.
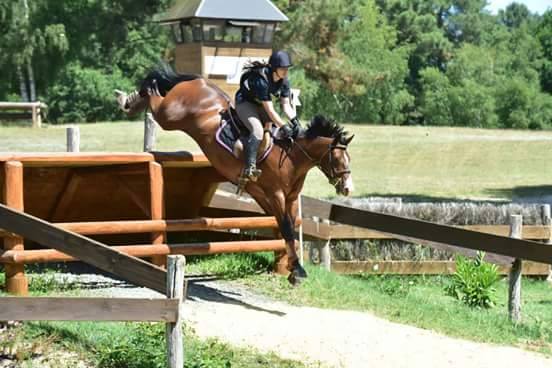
<point x="88" y="309"/>
<point x="51" y="255"/>
<point x="88" y="250"/>
<point x="157" y="208"/>
<point x="534" y="232"/>
<point x="225" y="200"/>
<point x="21" y="105"/>
<point x="436" y="233"/>
<point x="60" y="159"/>
<point x="146" y="226"/>
<point x="422" y="267"/>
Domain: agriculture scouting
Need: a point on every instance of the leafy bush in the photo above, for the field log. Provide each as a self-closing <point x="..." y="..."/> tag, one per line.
<point x="85" y="94"/>
<point x="473" y="281"/>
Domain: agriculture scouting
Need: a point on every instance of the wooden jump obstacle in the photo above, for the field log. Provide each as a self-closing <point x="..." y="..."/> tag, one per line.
<point x="133" y="201"/>
<point x="34" y="107"/>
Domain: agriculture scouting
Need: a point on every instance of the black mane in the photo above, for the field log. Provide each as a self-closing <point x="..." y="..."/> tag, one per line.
<point x="166" y="78"/>
<point x="322" y="127"/>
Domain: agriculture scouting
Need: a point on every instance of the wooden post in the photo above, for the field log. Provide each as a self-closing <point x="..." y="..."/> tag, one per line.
<point x="175" y="290"/>
<point x="157" y="208"/>
<point x="149" y="133"/>
<point x="73" y="139"/>
<point x="326" y="253"/>
<point x="37" y="121"/>
<point x="514" y="290"/>
<point x="547" y="221"/>
<point x="16" y="281"/>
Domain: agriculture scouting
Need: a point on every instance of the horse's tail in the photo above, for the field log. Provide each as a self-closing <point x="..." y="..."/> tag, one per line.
<point x="165" y="77"/>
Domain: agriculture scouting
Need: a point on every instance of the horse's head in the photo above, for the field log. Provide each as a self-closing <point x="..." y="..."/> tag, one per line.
<point x="132" y="103"/>
<point x="336" y="165"/>
<point x="334" y="161"/>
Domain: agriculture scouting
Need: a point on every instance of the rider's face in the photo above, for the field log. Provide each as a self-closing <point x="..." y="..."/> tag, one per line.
<point x="282" y="72"/>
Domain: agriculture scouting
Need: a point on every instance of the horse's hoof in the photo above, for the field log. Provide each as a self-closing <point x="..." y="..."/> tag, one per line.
<point x="297" y="275"/>
<point x="293" y="280"/>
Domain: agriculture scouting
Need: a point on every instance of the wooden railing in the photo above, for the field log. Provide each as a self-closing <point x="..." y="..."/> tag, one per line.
<point x="34" y="107"/>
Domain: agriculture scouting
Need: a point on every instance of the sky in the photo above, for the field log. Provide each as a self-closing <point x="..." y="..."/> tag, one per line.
<point x="535" y="6"/>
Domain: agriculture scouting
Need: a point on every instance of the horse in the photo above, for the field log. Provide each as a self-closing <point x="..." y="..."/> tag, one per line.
<point x="193" y="104"/>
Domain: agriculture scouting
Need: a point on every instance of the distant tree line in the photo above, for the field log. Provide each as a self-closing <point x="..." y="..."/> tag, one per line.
<point x="368" y="61"/>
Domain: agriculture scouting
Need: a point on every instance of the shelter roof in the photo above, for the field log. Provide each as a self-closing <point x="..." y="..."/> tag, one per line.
<point x="252" y="10"/>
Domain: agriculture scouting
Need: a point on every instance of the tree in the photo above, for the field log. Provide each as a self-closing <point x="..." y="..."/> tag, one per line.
<point x="435" y="104"/>
<point x="544" y="36"/>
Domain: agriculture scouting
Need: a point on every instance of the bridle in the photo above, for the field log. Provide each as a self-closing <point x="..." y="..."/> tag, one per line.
<point x="335" y="177"/>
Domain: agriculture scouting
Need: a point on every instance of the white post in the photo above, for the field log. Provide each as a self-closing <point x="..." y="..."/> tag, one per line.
<point x="175" y="290"/>
<point x="149" y="133"/>
<point x="326" y="253"/>
<point x="514" y="290"/>
<point x="300" y="216"/>
<point x="547" y="221"/>
<point x="73" y="139"/>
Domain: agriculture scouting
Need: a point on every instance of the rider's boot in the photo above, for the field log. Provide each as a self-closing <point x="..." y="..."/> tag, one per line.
<point x="250" y="172"/>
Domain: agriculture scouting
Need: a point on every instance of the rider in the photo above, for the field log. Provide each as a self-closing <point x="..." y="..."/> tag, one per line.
<point x="258" y="84"/>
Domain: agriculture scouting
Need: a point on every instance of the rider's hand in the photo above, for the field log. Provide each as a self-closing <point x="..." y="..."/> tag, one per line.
<point x="287" y="130"/>
<point x="295" y="122"/>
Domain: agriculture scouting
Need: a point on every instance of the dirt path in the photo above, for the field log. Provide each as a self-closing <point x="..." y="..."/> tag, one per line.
<point x="330" y="338"/>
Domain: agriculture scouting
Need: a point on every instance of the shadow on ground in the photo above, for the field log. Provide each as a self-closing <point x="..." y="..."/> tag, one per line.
<point x="200" y="290"/>
<point x="528" y="194"/>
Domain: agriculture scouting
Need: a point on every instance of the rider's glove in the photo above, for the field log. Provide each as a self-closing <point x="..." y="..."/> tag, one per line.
<point x="295" y="122"/>
<point x="287" y="131"/>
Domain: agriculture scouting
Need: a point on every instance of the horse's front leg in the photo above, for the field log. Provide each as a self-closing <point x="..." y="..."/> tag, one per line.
<point x="298" y="273"/>
<point x="286" y="214"/>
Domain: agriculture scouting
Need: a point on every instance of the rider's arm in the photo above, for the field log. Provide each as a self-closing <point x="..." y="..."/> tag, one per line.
<point x="272" y="114"/>
<point x="285" y="103"/>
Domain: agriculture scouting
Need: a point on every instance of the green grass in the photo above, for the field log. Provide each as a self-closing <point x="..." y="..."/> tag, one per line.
<point x="230" y="266"/>
<point x="414" y="162"/>
<point x="140" y="345"/>
<point x="422" y="302"/>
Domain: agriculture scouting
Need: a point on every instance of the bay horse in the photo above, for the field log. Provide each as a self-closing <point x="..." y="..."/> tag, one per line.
<point x="194" y="105"/>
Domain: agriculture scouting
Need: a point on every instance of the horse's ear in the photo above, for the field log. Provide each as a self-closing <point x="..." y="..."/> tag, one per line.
<point x="348" y="140"/>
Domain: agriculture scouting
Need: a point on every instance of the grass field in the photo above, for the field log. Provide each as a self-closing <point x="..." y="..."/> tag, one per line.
<point x="412" y="162"/>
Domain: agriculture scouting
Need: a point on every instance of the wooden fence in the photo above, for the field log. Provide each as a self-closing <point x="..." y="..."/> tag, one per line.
<point x="34" y="107"/>
<point x="137" y="271"/>
<point x="316" y="226"/>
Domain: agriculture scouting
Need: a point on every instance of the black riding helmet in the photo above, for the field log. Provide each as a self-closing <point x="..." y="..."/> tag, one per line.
<point x="280" y="59"/>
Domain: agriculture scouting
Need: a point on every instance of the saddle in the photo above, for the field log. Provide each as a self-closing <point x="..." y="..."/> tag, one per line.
<point x="232" y="134"/>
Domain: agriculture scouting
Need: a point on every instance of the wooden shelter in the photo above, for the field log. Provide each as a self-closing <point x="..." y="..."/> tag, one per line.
<point x="215" y="38"/>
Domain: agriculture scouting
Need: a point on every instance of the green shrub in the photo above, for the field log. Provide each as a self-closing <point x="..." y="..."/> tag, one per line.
<point x="84" y="94"/>
<point x="473" y="281"/>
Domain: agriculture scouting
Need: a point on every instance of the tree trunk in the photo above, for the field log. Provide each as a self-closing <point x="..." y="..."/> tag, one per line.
<point x="22" y="85"/>
<point x="32" y="87"/>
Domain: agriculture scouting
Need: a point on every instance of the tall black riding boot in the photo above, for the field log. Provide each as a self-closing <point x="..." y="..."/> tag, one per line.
<point x="250" y="152"/>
